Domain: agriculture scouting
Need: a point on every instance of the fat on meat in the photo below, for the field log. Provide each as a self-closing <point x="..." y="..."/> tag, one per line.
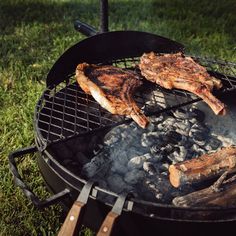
<point x="113" y="88"/>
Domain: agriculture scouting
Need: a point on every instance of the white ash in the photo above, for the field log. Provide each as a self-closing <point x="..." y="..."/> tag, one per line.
<point x="149" y="168"/>
<point x="136" y="160"/>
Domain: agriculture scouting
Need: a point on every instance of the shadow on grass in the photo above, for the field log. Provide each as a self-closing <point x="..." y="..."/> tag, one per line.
<point x="16" y="13"/>
<point x="203" y="15"/>
<point x="33" y="28"/>
<point x="207" y="14"/>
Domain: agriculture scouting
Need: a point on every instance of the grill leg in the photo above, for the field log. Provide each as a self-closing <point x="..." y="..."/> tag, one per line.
<point x="88" y="30"/>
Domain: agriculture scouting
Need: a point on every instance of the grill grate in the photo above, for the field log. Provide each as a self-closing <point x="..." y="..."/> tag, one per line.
<point x="65" y="111"/>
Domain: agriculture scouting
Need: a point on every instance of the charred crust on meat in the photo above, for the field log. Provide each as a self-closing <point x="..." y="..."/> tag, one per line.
<point x="182" y="72"/>
<point x="112" y="87"/>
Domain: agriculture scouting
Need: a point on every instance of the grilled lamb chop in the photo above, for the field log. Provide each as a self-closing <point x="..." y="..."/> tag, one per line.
<point x="112" y="88"/>
<point x="181" y="72"/>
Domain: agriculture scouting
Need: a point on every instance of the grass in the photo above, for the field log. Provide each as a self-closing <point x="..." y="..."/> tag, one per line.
<point x="34" y="33"/>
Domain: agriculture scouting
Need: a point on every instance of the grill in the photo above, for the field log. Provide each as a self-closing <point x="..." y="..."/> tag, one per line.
<point x="64" y="113"/>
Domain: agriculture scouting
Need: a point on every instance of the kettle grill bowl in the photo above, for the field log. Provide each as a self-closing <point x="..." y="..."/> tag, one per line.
<point x="114" y="48"/>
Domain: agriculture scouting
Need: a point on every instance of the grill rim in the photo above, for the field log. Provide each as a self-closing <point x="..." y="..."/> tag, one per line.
<point x="139" y="202"/>
<point x="51" y="82"/>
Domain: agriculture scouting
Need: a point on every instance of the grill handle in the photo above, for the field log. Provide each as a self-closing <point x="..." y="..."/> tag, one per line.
<point x="84" y="28"/>
<point x="19" y="182"/>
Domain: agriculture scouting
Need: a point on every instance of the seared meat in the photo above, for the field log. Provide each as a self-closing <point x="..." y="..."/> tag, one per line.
<point x="112" y="88"/>
<point x="181" y="72"/>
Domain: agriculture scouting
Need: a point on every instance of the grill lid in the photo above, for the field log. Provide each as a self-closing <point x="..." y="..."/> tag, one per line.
<point x="106" y="47"/>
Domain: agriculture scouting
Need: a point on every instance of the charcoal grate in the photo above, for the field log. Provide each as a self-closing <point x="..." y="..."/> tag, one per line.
<point x="65" y="111"/>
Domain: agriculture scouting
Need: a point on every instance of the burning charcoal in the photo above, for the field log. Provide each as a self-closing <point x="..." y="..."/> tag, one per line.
<point x="199" y="134"/>
<point x="151" y="106"/>
<point x="116" y="183"/>
<point x="165" y="149"/>
<point x="213" y="144"/>
<point x="197" y="114"/>
<point x="181" y="152"/>
<point x="172" y="137"/>
<point x="157" y="153"/>
<point x="167" y="123"/>
<point x="134" y="176"/>
<point x="155" y="149"/>
<point x="199" y="138"/>
<point x="162" y="127"/>
<point x="193" y="120"/>
<point x="160" y="189"/>
<point x="159" y="143"/>
<point x="137" y="162"/>
<point x="149" y="168"/>
<point x="99" y="163"/>
<point x="168" y="148"/>
<point x="151" y="127"/>
<point x="159" y="156"/>
<point x="198" y="150"/>
<point x="183" y="127"/>
<point x="124" y="153"/>
<point x="178" y="155"/>
<point x="165" y="166"/>
<point x="148" y="139"/>
<point x="156" y="120"/>
<point x="164" y="173"/>
<point x="156" y="191"/>
<point x="134" y="129"/>
<point x="199" y="127"/>
<point x="111" y="138"/>
<point x="181" y="114"/>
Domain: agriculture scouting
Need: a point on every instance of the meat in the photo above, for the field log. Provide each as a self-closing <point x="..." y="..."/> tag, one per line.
<point x="112" y="88"/>
<point x="182" y="72"/>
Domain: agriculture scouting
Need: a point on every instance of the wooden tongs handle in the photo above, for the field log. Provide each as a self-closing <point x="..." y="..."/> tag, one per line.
<point x="72" y="222"/>
<point x="109" y="222"/>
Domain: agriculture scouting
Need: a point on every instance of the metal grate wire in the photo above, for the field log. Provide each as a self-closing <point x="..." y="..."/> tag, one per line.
<point x="65" y="111"/>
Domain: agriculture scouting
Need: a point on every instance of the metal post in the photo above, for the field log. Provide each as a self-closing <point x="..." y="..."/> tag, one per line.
<point x="103" y="16"/>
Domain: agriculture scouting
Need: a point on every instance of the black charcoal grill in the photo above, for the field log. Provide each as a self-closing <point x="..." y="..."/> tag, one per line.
<point x="65" y="113"/>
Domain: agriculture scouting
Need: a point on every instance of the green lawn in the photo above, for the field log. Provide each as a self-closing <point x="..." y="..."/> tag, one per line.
<point x="34" y="33"/>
